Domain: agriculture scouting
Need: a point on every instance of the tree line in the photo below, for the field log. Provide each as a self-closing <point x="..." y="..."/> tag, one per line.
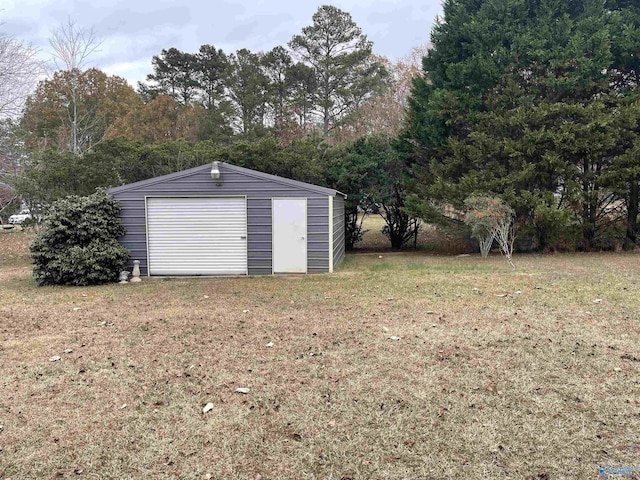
<point x="530" y="101"/>
<point x="294" y="111"/>
<point x="368" y="169"/>
<point x="318" y="82"/>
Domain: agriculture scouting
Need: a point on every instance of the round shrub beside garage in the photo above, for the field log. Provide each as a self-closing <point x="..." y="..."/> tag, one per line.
<point x="78" y="244"/>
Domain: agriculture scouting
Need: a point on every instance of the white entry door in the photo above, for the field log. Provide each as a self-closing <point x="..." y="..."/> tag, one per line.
<point x="289" y="235"/>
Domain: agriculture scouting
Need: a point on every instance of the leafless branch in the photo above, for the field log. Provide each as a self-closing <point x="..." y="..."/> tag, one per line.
<point x="72" y="46"/>
<point x="19" y="72"/>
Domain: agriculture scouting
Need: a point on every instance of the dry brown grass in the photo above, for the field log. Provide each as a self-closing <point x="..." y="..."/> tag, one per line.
<point x="541" y="384"/>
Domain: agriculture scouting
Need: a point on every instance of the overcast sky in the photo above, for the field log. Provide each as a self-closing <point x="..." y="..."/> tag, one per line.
<point x="132" y="31"/>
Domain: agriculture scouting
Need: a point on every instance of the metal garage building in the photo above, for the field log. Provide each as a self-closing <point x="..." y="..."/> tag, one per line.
<point x="220" y="219"/>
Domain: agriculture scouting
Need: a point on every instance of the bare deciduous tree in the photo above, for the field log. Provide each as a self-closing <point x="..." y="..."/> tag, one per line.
<point x="19" y="72"/>
<point x="72" y="46"/>
<point x="384" y="113"/>
<point x="9" y="165"/>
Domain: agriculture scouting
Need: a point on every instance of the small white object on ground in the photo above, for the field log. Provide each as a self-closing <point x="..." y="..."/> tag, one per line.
<point x="206" y="296"/>
<point x="68" y="350"/>
<point x="135" y="274"/>
<point x="379" y="256"/>
<point x="242" y="390"/>
<point x="207" y="408"/>
<point x="55" y="358"/>
<point x="597" y="300"/>
<point x="394" y="338"/>
<point x="269" y="345"/>
<point x="75" y="309"/>
<point x="245" y="311"/>
<point x="518" y="292"/>
<point x="501" y="295"/>
<point x="617" y="369"/>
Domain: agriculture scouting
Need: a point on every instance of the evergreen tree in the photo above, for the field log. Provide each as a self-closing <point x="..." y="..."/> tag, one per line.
<point x="175" y="75"/>
<point x="304" y="87"/>
<point x="212" y="74"/>
<point x="248" y="89"/>
<point x="341" y="57"/>
<point x="520" y="99"/>
<point x="277" y="65"/>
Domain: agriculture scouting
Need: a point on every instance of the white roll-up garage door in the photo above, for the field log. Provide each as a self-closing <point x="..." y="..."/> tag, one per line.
<point x="197" y="235"/>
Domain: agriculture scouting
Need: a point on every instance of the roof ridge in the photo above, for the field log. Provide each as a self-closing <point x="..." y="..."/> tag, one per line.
<point x="243" y="170"/>
<point x="285" y="181"/>
<point x="154" y="180"/>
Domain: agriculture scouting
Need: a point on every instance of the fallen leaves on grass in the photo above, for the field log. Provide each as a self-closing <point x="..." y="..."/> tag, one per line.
<point x="324" y="387"/>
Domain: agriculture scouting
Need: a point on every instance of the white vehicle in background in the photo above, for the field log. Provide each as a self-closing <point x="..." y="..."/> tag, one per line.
<point x="18" y="218"/>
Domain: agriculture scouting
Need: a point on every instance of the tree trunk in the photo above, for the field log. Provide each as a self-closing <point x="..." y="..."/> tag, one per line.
<point x="632" y="212"/>
<point x="325" y="127"/>
<point x="589" y="209"/>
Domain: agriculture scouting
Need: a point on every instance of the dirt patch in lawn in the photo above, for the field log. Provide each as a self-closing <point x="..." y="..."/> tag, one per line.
<point x="405" y="366"/>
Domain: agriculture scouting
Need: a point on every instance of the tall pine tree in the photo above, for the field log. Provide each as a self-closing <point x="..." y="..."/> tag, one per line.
<point x="341" y="57"/>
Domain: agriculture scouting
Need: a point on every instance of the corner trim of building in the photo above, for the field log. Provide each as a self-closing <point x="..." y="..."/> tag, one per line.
<point x="330" y="216"/>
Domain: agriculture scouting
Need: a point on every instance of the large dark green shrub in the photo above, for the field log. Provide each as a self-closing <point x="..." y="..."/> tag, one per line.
<point x="78" y="245"/>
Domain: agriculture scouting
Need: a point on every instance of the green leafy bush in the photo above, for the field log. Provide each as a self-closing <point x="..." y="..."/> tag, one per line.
<point x="78" y="244"/>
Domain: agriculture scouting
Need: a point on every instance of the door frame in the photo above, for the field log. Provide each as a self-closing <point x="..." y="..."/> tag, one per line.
<point x="306" y="233"/>
<point x="246" y="223"/>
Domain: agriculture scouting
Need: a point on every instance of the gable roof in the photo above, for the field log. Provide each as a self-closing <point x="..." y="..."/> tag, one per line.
<point x="226" y="166"/>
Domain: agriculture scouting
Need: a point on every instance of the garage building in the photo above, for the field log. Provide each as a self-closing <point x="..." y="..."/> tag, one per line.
<point x="220" y="219"/>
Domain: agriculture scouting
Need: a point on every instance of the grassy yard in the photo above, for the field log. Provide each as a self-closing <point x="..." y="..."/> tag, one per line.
<point x="496" y="373"/>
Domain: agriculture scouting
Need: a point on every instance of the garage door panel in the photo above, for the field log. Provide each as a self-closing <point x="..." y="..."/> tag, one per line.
<point x="197" y="236"/>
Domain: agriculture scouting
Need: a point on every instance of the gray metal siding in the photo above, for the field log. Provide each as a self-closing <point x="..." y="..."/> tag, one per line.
<point x="259" y="235"/>
<point x="258" y="191"/>
<point x="338" y="230"/>
<point x="318" y="235"/>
